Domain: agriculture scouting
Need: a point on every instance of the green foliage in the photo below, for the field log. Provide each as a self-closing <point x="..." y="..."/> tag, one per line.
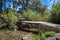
<point x="55" y="14"/>
<point x="36" y="38"/>
<point x="49" y="34"/>
<point x="10" y="18"/>
<point x="30" y="15"/>
<point x="42" y="37"/>
<point x="27" y="5"/>
<point x="4" y="30"/>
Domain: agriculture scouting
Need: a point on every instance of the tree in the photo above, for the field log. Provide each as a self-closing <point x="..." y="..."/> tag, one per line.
<point x="24" y="3"/>
<point x="55" y="13"/>
<point x="1" y="3"/>
<point x="39" y="7"/>
<point x="30" y="4"/>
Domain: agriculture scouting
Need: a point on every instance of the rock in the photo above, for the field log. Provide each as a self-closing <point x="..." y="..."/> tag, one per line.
<point x="51" y="38"/>
<point x="28" y="37"/>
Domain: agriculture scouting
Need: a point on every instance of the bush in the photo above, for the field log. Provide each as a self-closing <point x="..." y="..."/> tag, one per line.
<point x="33" y="16"/>
<point x="42" y="37"/>
<point x="10" y="18"/>
<point x="49" y="34"/>
<point x="55" y="14"/>
<point x="36" y="38"/>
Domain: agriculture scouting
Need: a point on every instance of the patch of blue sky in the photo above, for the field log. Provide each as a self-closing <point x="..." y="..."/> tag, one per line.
<point x="44" y="2"/>
<point x="2" y="7"/>
<point x="9" y="3"/>
<point x="19" y="7"/>
<point x="48" y="3"/>
<point x="51" y="2"/>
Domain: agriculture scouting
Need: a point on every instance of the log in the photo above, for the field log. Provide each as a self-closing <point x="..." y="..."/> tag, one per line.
<point x="45" y="25"/>
<point x="3" y="25"/>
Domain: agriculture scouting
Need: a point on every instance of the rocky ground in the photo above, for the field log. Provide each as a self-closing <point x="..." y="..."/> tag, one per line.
<point x="16" y="35"/>
<point x="22" y="35"/>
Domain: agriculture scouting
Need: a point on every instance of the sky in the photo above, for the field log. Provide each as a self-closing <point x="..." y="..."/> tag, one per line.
<point x="48" y="3"/>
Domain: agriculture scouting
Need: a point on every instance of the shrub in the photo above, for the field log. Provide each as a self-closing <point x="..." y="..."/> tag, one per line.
<point x="42" y="37"/>
<point x="36" y="38"/>
<point x="49" y="34"/>
<point x="10" y="18"/>
<point x="33" y="16"/>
